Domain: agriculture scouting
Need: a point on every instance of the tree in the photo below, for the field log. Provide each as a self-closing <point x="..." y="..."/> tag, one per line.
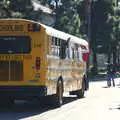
<point x="4" y="9"/>
<point x="81" y="8"/>
<point x="101" y="30"/>
<point x="105" y="30"/>
<point x="16" y="8"/>
<point x="24" y="7"/>
<point x="68" y="18"/>
<point x="114" y="46"/>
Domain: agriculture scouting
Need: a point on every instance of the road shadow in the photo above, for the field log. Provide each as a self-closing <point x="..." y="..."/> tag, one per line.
<point x="28" y="109"/>
<point x="98" y="77"/>
<point x="105" y="87"/>
<point x="113" y="108"/>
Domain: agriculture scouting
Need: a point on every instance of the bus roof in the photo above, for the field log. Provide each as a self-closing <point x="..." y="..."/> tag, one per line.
<point x="64" y="36"/>
<point x="53" y="32"/>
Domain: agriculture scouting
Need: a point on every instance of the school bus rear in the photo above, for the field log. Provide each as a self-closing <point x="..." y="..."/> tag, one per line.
<point x="21" y="59"/>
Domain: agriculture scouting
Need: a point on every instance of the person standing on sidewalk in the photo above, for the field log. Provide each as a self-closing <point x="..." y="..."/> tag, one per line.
<point x="111" y="75"/>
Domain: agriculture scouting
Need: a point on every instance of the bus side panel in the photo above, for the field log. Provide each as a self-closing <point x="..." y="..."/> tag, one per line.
<point x="72" y="74"/>
<point x="52" y="74"/>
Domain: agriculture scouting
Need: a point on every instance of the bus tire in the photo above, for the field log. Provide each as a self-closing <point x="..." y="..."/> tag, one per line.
<point x="80" y="93"/>
<point x="59" y="93"/>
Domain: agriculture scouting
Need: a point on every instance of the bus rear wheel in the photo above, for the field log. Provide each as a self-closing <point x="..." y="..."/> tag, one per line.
<point x="80" y="93"/>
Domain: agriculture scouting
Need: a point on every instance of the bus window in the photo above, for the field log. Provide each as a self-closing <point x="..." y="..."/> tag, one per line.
<point x="56" y="41"/>
<point x="55" y="46"/>
<point x="73" y="53"/>
<point x="76" y="52"/>
<point x="53" y="40"/>
<point x="15" y="44"/>
<point x="70" y="50"/>
<point x="79" y="53"/>
<point x="63" y="48"/>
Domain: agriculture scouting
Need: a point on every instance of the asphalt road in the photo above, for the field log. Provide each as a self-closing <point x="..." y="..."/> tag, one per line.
<point x="99" y="103"/>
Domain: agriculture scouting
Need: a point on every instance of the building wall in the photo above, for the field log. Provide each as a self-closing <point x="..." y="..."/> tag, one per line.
<point x="102" y="61"/>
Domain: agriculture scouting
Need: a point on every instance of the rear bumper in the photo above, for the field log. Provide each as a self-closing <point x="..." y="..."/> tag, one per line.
<point x="23" y="91"/>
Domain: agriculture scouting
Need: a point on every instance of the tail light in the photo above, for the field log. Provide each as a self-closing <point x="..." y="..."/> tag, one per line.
<point x="30" y="27"/>
<point x="34" y="27"/>
<point x="85" y="53"/>
<point x="37" y="63"/>
<point x="85" y="56"/>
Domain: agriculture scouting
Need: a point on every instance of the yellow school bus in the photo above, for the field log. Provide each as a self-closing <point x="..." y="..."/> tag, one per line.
<point x="38" y="61"/>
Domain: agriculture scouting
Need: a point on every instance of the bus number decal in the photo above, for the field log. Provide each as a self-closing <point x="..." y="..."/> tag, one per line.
<point x="37" y="45"/>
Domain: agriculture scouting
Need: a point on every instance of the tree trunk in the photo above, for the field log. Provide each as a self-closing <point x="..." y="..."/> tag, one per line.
<point x="94" y="70"/>
<point x="114" y="55"/>
<point x="109" y="54"/>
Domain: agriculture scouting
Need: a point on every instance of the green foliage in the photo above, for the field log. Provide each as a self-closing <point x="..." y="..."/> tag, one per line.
<point x="23" y="7"/>
<point x="4" y="9"/>
<point x="105" y="27"/>
<point x="101" y="30"/>
<point x="68" y="18"/>
<point x="83" y="17"/>
<point x="67" y="15"/>
<point x="19" y="9"/>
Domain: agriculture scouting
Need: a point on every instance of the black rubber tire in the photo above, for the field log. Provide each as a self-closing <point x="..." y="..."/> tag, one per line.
<point x="80" y="93"/>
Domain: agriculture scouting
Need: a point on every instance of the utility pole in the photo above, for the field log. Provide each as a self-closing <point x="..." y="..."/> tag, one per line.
<point x="88" y="18"/>
<point x="88" y="24"/>
<point x="56" y="14"/>
<point x="88" y="9"/>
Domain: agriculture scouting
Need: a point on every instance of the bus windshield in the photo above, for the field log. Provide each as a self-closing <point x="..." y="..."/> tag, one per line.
<point x="15" y="44"/>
